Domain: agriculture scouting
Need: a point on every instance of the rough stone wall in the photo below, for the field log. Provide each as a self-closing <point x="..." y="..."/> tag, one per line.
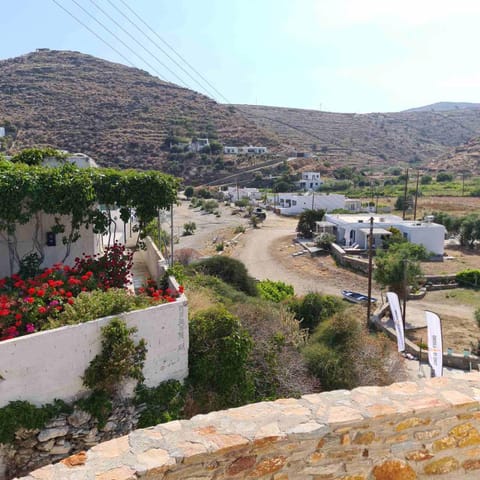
<point x="407" y="431"/>
<point x="63" y="436"/>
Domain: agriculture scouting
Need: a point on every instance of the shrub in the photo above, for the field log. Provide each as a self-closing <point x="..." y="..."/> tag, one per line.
<point x="189" y="228"/>
<point x="444" y="177"/>
<point x="313" y="308"/>
<point x="119" y="359"/>
<point x="160" y="404"/>
<point x="274" y="291"/>
<point x="92" y="305"/>
<point x="469" y="278"/>
<point x="477" y="316"/>
<point x="230" y="271"/>
<point x="219" y="351"/>
<point x="22" y="414"/>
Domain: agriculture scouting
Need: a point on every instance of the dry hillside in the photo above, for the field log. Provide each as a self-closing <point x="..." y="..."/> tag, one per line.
<point x="119" y="115"/>
<point x="375" y="139"/>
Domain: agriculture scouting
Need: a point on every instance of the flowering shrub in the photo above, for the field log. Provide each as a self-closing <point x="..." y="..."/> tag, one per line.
<point x="26" y="305"/>
<point x="159" y="294"/>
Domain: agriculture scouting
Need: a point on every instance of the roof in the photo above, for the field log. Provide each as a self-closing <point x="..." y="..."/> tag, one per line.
<point x="325" y="223"/>
<point x="376" y="231"/>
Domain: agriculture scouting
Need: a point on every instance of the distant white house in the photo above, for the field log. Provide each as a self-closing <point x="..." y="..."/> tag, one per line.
<point x="296" y="203"/>
<point x="244" y="150"/>
<point x="2" y="132"/>
<point x="235" y="193"/>
<point x="310" y="181"/>
<point x="353" y="230"/>
<point x="89" y="242"/>
<point x="198" y="144"/>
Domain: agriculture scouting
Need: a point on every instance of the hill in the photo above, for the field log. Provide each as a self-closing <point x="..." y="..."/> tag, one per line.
<point x="125" y="117"/>
<point x="445" y="106"/>
<point x="119" y="115"/>
<point x="462" y="158"/>
<point x="374" y="139"/>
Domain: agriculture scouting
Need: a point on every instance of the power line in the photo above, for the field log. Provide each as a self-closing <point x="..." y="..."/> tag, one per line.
<point x="122" y="42"/>
<point x="137" y="42"/>
<point x="94" y="33"/>
<point x="171" y="48"/>
<point x="155" y="44"/>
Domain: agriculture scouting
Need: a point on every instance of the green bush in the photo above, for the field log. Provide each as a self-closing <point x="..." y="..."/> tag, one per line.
<point x="119" y="359"/>
<point x="313" y="308"/>
<point x="22" y="414"/>
<point x="160" y="404"/>
<point x="230" y="271"/>
<point x="328" y="353"/>
<point x="98" y="404"/>
<point x="92" y="305"/>
<point x="477" y="316"/>
<point x="218" y="358"/>
<point x="469" y="278"/>
<point x="274" y="291"/>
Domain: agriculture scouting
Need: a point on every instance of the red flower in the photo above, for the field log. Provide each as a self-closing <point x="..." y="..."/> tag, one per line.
<point x="42" y="310"/>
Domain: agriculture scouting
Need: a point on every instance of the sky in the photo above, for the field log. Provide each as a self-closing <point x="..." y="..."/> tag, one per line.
<point x="332" y="55"/>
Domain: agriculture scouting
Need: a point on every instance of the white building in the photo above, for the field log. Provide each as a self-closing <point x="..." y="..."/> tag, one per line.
<point x="198" y="144"/>
<point x="245" y="150"/>
<point x="310" y="181"/>
<point x="2" y="132"/>
<point x="236" y="193"/>
<point x="50" y="243"/>
<point x="296" y="203"/>
<point x="353" y="230"/>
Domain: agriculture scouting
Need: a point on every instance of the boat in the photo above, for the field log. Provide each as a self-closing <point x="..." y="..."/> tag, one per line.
<point x="356" y="297"/>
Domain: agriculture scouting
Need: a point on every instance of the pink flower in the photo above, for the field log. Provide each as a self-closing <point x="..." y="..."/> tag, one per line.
<point x="30" y="327"/>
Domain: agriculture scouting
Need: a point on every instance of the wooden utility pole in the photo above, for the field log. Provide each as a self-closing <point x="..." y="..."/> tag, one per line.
<point x="405" y="195"/>
<point x="370" y="262"/>
<point x="416" y="197"/>
<point x="171" y="235"/>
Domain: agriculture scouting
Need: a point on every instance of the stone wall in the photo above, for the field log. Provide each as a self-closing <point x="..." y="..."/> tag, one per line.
<point x="63" y="436"/>
<point x="406" y="431"/>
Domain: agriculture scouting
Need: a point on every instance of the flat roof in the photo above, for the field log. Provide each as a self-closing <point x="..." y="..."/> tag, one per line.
<point x="376" y="231"/>
<point x="365" y="218"/>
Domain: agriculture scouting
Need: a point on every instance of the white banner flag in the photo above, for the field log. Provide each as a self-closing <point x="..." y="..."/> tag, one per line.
<point x="435" y="347"/>
<point x="394" y="303"/>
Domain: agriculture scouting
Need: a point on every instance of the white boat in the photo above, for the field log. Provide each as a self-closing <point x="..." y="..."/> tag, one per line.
<point x="356" y="297"/>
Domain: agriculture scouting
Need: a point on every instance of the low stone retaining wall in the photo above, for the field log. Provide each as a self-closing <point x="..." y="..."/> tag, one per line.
<point x="62" y="436"/>
<point x="407" y="431"/>
<point x="359" y="265"/>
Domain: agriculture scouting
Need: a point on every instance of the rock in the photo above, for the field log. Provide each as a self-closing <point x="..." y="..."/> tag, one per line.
<point x="78" y="418"/>
<point x="46" y="446"/>
<point x="109" y="426"/>
<point x="61" y="449"/>
<point x="24" y="433"/>
<point x="49" y="433"/>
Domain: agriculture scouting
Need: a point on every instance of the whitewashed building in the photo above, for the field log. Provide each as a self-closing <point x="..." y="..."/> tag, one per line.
<point x="51" y="244"/>
<point x="237" y="193"/>
<point x="229" y="150"/>
<point x="310" y="181"/>
<point x="353" y="231"/>
<point x="296" y="203"/>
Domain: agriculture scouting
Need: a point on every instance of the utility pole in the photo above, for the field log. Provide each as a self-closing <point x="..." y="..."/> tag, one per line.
<point x="370" y="255"/>
<point x="416" y="197"/>
<point x="404" y="309"/>
<point x="405" y="195"/>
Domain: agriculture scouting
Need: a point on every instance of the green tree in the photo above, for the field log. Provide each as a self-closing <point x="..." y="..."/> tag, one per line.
<point x="426" y="179"/>
<point x="470" y="230"/>
<point x="400" y="263"/>
<point x="306" y="223"/>
<point x="313" y="308"/>
<point x="444" y="177"/>
<point x="189" y="191"/>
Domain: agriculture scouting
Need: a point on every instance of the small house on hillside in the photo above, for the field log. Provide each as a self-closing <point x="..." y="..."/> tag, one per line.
<point x="235" y="193"/>
<point x="229" y="150"/>
<point x="310" y="181"/>
<point x="353" y="230"/>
